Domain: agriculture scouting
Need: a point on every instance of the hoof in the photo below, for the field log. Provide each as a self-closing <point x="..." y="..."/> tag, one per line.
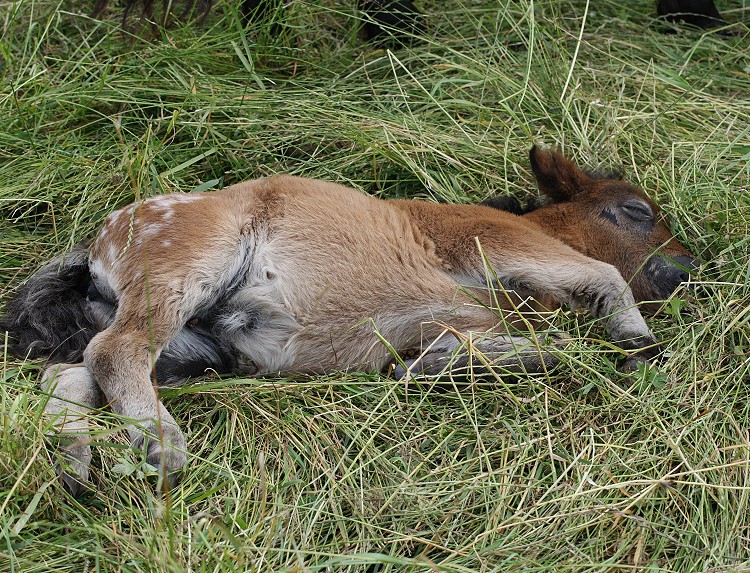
<point x="165" y="451"/>
<point x="73" y="469"/>
<point x="75" y="485"/>
<point x="168" y="456"/>
<point x="412" y="366"/>
<point x="646" y="347"/>
<point x="632" y="363"/>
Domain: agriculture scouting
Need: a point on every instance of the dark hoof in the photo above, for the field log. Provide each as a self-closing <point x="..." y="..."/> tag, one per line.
<point x="174" y="478"/>
<point x="74" y="485"/>
<point x="642" y="345"/>
<point x="412" y="366"/>
<point x="632" y="363"/>
<point x="169" y="463"/>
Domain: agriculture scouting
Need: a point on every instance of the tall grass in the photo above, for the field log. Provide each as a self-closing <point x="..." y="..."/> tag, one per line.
<point x="585" y="469"/>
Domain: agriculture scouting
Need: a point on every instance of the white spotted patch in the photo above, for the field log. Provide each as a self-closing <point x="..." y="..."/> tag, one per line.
<point x="186" y="197"/>
<point x="165" y="200"/>
<point x="152" y="229"/>
<point x="103" y="279"/>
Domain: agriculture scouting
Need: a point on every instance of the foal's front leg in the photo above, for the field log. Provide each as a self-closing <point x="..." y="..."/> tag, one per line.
<point x="482" y="355"/>
<point x="572" y="278"/>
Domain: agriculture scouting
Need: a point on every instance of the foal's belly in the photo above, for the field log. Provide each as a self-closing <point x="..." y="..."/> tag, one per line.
<point x="348" y="318"/>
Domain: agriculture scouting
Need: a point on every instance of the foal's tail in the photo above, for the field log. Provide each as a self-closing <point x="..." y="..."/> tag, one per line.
<point x="48" y="316"/>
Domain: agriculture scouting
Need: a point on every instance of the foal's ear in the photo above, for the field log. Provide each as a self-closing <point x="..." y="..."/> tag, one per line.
<point x="558" y="178"/>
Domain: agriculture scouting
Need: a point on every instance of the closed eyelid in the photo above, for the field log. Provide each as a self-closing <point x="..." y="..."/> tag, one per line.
<point x="639" y="208"/>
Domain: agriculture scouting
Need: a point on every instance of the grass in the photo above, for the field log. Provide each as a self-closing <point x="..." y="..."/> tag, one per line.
<point x="585" y="469"/>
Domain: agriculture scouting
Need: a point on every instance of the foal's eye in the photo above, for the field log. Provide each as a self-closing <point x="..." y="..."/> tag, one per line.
<point x="637" y="210"/>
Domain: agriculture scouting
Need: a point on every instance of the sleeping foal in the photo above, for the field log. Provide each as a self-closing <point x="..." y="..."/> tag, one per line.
<point x="289" y="275"/>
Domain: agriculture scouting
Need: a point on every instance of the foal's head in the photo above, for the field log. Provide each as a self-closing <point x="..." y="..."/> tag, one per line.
<point x="610" y="220"/>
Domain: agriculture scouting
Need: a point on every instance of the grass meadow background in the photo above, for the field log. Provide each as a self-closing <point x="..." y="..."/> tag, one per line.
<point x="585" y="469"/>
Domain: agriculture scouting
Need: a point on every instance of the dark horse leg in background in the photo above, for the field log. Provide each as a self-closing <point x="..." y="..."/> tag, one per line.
<point x="261" y="11"/>
<point x="398" y="21"/>
<point x="700" y="13"/>
<point x="391" y="21"/>
<point x="384" y="21"/>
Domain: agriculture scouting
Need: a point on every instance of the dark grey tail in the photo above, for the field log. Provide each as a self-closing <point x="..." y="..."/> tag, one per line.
<point x="48" y="315"/>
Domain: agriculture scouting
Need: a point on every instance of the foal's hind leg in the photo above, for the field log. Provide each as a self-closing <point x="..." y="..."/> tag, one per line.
<point x="121" y="359"/>
<point x="73" y="394"/>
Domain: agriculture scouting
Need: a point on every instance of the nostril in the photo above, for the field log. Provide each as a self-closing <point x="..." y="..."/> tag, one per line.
<point x="687" y="266"/>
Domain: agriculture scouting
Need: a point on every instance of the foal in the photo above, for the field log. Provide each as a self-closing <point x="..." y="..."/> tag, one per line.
<point x="296" y="275"/>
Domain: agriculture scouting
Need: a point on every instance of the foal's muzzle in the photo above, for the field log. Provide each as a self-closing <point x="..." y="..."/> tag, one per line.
<point x="667" y="273"/>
